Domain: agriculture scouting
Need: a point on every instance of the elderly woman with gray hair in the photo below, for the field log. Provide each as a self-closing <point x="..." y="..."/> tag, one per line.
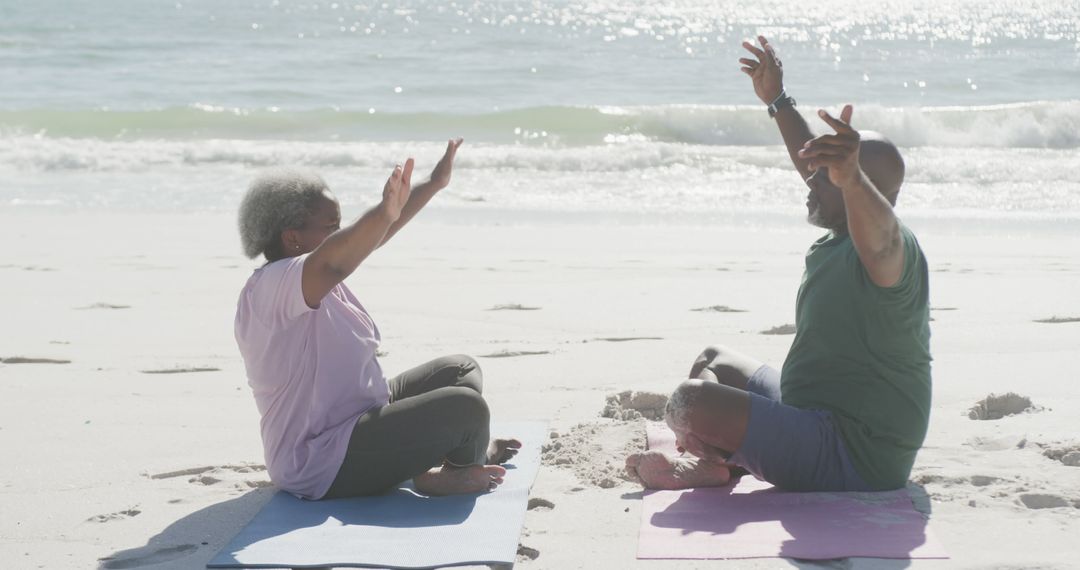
<point x="332" y="424"/>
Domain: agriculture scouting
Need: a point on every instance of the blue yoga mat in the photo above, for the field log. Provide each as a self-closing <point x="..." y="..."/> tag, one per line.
<point x="398" y="530"/>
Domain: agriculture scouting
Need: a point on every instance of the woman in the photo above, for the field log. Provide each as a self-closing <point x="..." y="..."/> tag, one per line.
<point x="332" y="425"/>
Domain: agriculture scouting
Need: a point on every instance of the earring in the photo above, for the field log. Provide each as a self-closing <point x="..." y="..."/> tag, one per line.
<point x="296" y="247"/>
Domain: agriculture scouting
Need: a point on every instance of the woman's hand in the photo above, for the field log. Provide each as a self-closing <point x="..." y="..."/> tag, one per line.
<point x="396" y="191"/>
<point x="440" y="176"/>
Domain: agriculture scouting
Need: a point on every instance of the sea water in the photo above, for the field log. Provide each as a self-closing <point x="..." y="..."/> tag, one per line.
<point x="571" y="110"/>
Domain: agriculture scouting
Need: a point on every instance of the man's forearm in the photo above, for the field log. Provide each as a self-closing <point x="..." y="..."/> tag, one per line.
<point x="795" y="131"/>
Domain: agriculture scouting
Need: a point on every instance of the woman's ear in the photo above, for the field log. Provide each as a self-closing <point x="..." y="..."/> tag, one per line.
<point x="290" y="241"/>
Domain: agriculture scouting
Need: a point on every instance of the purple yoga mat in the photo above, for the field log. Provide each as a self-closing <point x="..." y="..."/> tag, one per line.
<point x="752" y="519"/>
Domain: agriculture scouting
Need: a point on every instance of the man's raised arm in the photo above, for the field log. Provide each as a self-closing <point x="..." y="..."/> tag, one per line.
<point x="767" y="73"/>
<point x="871" y="222"/>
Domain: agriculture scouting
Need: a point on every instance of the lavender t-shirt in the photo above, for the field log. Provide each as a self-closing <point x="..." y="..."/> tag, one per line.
<point x="313" y="373"/>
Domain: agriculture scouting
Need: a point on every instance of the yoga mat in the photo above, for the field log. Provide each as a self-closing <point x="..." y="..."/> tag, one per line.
<point x="400" y="529"/>
<point x="752" y="519"/>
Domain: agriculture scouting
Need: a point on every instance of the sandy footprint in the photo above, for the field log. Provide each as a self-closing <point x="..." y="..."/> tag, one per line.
<point x="26" y="267"/>
<point x="937" y="479"/>
<point x="181" y="370"/>
<point x="717" y="309"/>
<point x="997" y="443"/>
<point x="119" y="515"/>
<point x="1044" y="501"/>
<point x="102" y="306"/>
<point x="984" y="480"/>
<point x="30" y="360"/>
<point x="626" y="338"/>
<point x="1057" y="320"/>
<point x="513" y="307"/>
<point x="240" y="476"/>
<point x="513" y="353"/>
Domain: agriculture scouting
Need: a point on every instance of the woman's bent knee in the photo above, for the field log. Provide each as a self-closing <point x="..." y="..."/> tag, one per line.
<point x="467" y="405"/>
<point x="469" y="372"/>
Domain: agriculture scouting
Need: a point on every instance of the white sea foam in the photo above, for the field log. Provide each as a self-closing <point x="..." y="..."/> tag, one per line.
<point x="641" y="176"/>
<point x="1046" y="124"/>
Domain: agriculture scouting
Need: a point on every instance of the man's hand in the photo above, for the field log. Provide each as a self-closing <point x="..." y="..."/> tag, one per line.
<point x="766" y="71"/>
<point x="440" y="176"/>
<point x="396" y="190"/>
<point x="839" y="153"/>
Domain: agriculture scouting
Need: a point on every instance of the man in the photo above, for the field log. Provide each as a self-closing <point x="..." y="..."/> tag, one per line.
<point x="849" y="409"/>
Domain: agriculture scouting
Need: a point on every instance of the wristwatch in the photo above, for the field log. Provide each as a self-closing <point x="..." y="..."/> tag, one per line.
<point x="782" y="100"/>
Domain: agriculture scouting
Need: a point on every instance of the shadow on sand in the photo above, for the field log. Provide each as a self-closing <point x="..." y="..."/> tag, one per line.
<point x="193" y="540"/>
<point x="805" y="531"/>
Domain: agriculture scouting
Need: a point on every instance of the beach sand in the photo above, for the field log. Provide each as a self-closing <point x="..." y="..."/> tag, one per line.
<point x="130" y="438"/>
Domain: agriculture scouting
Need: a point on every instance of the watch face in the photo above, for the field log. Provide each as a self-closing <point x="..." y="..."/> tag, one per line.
<point x="784" y="101"/>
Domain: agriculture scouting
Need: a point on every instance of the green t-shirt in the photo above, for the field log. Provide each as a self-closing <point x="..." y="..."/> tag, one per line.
<point x="862" y="352"/>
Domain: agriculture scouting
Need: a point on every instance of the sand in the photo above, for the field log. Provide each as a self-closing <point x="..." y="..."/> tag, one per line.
<point x="130" y="438"/>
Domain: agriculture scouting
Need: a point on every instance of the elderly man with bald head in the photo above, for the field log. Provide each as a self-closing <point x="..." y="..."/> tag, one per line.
<point x="849" y="408"/>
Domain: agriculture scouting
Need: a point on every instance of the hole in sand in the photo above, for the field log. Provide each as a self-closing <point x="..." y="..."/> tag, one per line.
<point x="994" y="406"/>
<point x="538" y="504"/>
<point x="525" y="553"/>
<point x="1069" y="454"/>
<point x="782" y="329"/>
<point x="630" y="405"/>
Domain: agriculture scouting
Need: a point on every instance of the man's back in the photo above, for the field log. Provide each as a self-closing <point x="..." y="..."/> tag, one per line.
<point x="862" y="352"/>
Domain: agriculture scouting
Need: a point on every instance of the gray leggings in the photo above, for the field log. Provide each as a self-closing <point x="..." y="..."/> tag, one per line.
<point x="435" y="414"/>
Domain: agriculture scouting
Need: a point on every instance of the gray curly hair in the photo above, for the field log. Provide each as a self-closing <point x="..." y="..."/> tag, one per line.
<point x="679" y="406"/>
<point x="277" y="200"/>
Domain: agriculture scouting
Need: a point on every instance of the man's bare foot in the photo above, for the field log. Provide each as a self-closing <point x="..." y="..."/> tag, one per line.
<point x="450" y="480"/>
<point x="656" y="470"/>
<point x="500" y="451"/>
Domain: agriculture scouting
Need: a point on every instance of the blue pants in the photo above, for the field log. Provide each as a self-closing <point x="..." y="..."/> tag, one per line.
<point x="793" y="448"/>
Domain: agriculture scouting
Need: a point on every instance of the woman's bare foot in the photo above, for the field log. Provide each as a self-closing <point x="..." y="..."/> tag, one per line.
<point x="656" y="470"/>
<point x="450" y="480"/>
<point x="500" y="451"/>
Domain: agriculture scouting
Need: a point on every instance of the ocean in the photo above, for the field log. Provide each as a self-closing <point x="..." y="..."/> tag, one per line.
<point x="570" y="110"/>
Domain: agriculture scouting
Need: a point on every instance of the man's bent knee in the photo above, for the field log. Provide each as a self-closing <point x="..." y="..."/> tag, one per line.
<point x="703" y="360"/>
